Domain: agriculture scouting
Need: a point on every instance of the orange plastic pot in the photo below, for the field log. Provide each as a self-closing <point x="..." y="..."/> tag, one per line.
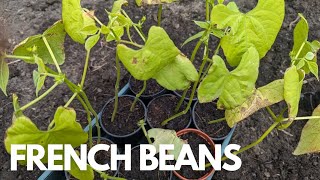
<point x="206" y="138"/>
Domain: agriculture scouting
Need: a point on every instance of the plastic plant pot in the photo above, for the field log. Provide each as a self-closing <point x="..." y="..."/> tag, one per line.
<point x="214" y="126"/>
<point x="129" y="138"/>
<point x="68" y="176"/>
<point x="146" y="97"/>
<point x="208" y="140"/>
<point x="165" y="110"/>
<point x="136" y="173"/>
<point x="179" y="94"/>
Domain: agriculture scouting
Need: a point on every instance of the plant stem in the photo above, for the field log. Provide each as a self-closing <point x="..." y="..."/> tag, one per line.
<point x="303" y="118"/>
<point x="131" y="43"/>
<point x="265" y="134"/>
<point x="85" y="69"/>
<point x="300" y="50"/>
<point x="159" y="14"/>
<point x="40" y="97"/>
<point x="207" y="10"/>
<point x="138" y="95"/>
<point x="194" y="88"/>
<point x="116" y="99"/>
<point x="139" y="31"/>
<point x="274" y="117"/>
<point x="217" y="121"/>
<point x="71" y="99"/>
<point x="19" y="57"/>
<point x="141" y="124"/>
<point x="51" y="53"/>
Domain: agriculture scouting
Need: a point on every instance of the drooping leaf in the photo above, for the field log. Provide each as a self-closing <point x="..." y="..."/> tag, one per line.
<point x="164" y="136"/>
<point x="259" y="28"/>
<point x="265" y="96"/>
<point x="310" y="136"/>
<point x="157" y="59"/>
<point x="75" y="20"/>
<point x="152" y="2"/>
<point x="55" y="36"/>
<point x="293" y="80"/>
<point x="24" y="131"/>
<point x="232" y="88"/>
<point x="92" y="41"/>
<point x="178" y="74"/>
<point x="81" y="175"/>
<point x="4" y="75"/>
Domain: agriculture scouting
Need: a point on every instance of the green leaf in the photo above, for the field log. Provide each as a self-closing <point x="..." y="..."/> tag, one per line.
<point x="4" y="75"/>
<point x="81" y="175"/>
<point x="178" y="74"/>
<point x="233" y="6"/>
<point x="233" y="87"/>
<point x="265" y="96"/>
<point x="55" y="36"/>
<point x="117" y="5"/>
<point x="300" y="36"/>
<point x="158" y="58"/>
<point x="257" y="28"/>
<point x="220" y="1"/>
<point x="310" y="136"/>
<point x="152" y="2"/>
<point x="38" y="81"/>
<point x="301" y="63"/>
<point x="66" y="128"/>
<point x="164" y="136"/>
<point x="194" y="37"/>
<point x="75" y="20"/>
<point x="314" y="69"/>
<point x="92" y="41"/>
<point x="309" y="56"/>
<point x="202" y="24"/>
<point x="118" y="30"/>
<point x="293" y="80"/>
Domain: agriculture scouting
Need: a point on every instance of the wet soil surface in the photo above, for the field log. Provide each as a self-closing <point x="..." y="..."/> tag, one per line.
<point x="272" y="159"/>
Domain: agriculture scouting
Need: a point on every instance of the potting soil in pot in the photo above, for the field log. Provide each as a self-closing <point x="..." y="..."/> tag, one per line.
<point x="152" y="87"/>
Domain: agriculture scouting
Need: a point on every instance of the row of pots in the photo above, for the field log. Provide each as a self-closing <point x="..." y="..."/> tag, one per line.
<point x="102" y="157"/>
<point x="125" y="119"/>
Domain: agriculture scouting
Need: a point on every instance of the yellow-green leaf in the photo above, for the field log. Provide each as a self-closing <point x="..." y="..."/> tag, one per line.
<point x="293" y="80"/>
<point x="310" y="136"/>
<point x="66" y="128"/>
<point x="233" y="87"/>
<point x="265" y="96"/>
<point x="55" y="36"/>
<point x="4" y="75"/>
<point x="259" y="28"/>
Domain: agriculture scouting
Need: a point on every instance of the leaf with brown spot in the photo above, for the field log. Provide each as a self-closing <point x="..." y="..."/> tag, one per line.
<point x="265" y="96"/>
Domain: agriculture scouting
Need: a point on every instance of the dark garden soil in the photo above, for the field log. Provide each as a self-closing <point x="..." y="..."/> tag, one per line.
<point x="136" y="174"/>
<point x="125" y="121"/>
<point x="205" y="113"/>
<point x="153" y="88"/>
<point x="162" y="108"/>
<point x="194" y="140"/>
<point x="272" y="159"/>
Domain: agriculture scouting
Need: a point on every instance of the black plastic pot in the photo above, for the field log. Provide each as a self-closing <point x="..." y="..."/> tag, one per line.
<point x="145" y="97"/>
<point x="131" y="138"/>
<point x="165" y="95"/>
<point x="194" y="118"/>
<point x="67" y="174"/>
<point x="186" y="98"/>
<point x="134" y="148"/>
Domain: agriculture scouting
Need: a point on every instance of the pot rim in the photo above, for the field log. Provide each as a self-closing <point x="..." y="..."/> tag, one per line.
<point x="121" y="136"/>
<point x="145" y="96"/>
<point x="205" y="137"/>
